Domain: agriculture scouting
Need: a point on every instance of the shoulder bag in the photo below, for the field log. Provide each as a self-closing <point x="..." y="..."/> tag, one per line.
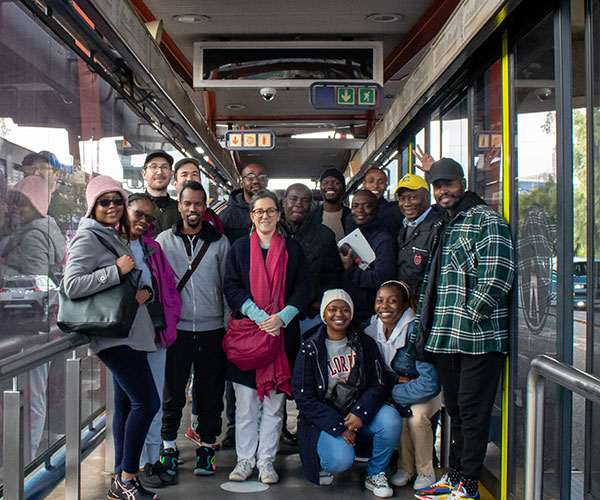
<point x="345" y="394"/>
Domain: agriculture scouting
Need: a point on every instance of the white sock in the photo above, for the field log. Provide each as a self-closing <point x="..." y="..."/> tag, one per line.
<point x="169" y="444"/>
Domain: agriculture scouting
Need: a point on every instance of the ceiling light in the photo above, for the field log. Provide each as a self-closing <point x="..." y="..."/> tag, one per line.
<point x="191" y="18"/>
<point x="235" y="106"/>
<point x="385" y="18"/>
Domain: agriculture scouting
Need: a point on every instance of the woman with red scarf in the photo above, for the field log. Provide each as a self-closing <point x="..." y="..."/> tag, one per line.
<point x="266" y="286"/>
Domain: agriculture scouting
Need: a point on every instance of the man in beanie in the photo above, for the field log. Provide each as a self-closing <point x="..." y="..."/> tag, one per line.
<point x="332" y="212"/>
<point x="376" y="181"/>
<point x="415" y="239"/>
<point x="157" y="173"/>
<point x="236" y="215"/>
<point x="462" y="320"/>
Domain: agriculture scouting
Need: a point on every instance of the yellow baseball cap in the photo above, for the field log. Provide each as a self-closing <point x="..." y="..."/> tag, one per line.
<point x="412" y="182"/>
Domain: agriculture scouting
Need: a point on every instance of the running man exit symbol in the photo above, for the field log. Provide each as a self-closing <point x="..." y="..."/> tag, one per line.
<point x="366" y="96"/>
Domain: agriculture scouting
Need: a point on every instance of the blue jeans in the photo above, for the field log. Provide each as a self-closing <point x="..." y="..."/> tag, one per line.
<point x="151" y="449"/>
<point x="336" y="455"/>
<point x="136" y="403"/>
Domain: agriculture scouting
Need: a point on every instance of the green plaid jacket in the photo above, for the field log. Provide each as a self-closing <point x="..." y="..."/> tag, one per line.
<point x="476" y="274"/>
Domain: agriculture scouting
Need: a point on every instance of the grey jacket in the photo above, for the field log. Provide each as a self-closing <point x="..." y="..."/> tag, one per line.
<point x="203" y="305"/>
<point x="92" y="268"/>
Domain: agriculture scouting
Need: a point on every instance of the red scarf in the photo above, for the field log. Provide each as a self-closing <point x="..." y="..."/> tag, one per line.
<point x="245" y="344"/>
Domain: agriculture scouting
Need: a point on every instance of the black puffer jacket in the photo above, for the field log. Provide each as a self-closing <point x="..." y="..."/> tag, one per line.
<point x="414" y="253"/>
<point x="236" y="216"/>
<point x="324" y="265"/>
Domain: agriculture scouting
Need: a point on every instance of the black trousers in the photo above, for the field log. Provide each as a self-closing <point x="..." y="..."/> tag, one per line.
<point x="469" y="383"/>
<point x="202" y="351"/>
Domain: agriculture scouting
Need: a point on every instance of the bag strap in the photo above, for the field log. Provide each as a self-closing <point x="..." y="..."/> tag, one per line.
<point x="354" y="375"/>
<point x="188" y="274"/>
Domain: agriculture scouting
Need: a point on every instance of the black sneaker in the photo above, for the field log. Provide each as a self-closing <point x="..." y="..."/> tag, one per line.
<point x="169" y="458"/>
<point x="149" y="477"/>
<point x="130" y="490"/>
<point x="205" y="461"/>
<point x="288" y="438"/>
<point x="229" y="439"/>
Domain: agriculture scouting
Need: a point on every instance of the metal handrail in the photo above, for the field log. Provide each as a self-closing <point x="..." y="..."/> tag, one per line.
<point x="544" y="368"/>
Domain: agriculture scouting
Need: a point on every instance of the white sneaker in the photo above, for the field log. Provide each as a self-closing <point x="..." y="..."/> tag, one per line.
<point x="401" y="478"/>
<point x="325" y="478"/>
<point x="267" y="473"/>
<point x="242" y="471"/>
<point x="423" y="481"/>
<point x="378" y="484"/>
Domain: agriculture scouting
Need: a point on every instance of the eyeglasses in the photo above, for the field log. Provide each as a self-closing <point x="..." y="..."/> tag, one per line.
<point x="138" y="214"/>
<point x="251" y="177"/>
<point x="259" y="212"/>
<point x="107" y="202"/>
<point x="153" y="167"/>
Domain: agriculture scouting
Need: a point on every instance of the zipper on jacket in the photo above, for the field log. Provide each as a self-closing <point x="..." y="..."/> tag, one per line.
<point x="318" y="364"/>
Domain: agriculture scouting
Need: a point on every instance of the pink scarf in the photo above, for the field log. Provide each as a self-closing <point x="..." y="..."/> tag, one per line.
<point x="245" y="344"/>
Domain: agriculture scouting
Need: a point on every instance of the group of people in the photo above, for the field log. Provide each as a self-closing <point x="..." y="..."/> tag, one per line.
<point x="254" y="298"/>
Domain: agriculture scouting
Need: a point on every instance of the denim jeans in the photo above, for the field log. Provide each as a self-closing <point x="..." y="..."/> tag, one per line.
<point x="151" y="449"/>
<point x="336" y="455"/>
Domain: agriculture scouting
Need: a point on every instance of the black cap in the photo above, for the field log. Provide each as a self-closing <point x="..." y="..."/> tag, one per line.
<point x="184" y="161"/>
<point x="333" y="172"/>
<point x="159" y="154"/>
<point x="445" y="169"/>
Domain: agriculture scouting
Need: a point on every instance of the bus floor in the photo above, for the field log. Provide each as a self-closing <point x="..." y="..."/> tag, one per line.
<point x="293" y="485"/>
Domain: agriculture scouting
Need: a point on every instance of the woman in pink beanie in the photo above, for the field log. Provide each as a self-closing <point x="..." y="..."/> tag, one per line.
<point x="91" y="268"/>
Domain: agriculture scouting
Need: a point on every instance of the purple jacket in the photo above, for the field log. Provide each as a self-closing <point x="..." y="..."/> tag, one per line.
<point x="164" y="280"/>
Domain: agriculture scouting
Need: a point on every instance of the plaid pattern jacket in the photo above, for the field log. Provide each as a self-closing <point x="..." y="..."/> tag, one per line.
<point x="476" y="274"/>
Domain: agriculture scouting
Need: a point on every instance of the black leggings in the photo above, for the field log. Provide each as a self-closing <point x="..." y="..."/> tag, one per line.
<point x="136" y="403"/>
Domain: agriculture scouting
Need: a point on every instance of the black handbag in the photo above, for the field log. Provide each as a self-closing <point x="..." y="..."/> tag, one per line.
<point x="109" y="313"/>
<point x="345" y="394"/>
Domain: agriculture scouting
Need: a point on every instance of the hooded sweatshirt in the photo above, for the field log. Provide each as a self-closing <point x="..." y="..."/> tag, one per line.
<point x="203" y="305"/>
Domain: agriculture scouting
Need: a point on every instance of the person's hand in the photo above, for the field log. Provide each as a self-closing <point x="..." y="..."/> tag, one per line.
<point x="125" y="264"/>
<point x="272" y="325"/>
<point x="142" y="296"/>
<point x="425" y="158"/>
<point x="353" y="422"/>
<point x="403" y="380"/>
<point x="348" y="261"/>
<point x="349" y="436"/>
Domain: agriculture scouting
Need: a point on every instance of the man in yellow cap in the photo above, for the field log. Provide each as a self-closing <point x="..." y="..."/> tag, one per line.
<point x="415" y="239"/>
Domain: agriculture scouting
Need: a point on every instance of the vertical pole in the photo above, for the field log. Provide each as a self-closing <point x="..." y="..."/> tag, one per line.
<point x="109" y="449"/>
<point x="13" y="446"/>
<point x="534" y="451"/>
<point x="73" y="430"/>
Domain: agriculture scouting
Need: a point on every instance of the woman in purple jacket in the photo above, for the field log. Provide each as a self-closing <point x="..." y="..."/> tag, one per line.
<point x="157" y="273"/>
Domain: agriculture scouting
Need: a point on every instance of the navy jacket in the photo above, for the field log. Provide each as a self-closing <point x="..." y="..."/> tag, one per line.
<point x="237" y="291"/>
<point x="236" y="216"/>
<point x="390" y="217"/>
<point x="362" y="284"/>
<point x="309" y="387"/>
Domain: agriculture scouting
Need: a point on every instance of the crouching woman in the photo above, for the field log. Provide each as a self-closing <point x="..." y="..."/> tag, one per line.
<point x="332" y="416"/>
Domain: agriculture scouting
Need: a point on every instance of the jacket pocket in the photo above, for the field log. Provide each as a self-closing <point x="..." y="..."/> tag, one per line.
<point x="462" y="255"/>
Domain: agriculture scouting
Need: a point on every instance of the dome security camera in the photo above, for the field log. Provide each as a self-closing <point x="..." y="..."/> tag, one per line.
<point x="543" y="94"/>
<point x="268" y="93"/>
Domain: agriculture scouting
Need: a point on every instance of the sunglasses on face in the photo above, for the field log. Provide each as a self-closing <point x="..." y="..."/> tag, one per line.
<point x="107" y="202"/>
<point x="139" y="215"/>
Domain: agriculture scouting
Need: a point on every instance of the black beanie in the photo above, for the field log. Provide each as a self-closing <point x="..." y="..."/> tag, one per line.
<point x="333" y="172"/>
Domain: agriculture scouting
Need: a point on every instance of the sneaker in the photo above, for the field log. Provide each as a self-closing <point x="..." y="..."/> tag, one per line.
<point x="402" y="478"/>
<point x="149" y="477"/>
<point x="439" y="490"/>
<point x="130" y="490"/>
<point x="193" y="436"/>
<point x="205" y="461"/>
<point x="378" y="484"/>
<point x="460" y="492"/>
<point x="423" y="481"/>
<point x="242" y="471"/>
<point x="169" y="458"/>
<point x="229" y="439"/>
<point x="325" y="478"/>
<point x="267" y="473"/>
<point x="288" y="438"/>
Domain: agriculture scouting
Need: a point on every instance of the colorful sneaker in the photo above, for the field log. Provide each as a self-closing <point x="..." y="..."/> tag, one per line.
<point x="193" y="436"/>
<point x="325" y="478"/>
<point x="439" y="490"/>
<point x="267" y="473"/>
<point x="205" y="461"/>
<point x="378" y="484"/>
<point x="461" y="492"/>
<point x="130" y="490"/>
<point x="242" y="471"/>
<point x="169" y="458"/>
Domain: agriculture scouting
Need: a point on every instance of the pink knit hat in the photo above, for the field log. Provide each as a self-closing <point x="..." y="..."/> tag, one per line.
<point x="36" y="190"/>
<point x="98" y="186"/>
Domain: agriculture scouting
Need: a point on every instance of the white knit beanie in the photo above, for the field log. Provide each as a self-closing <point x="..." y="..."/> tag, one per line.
<point x="336" y="294"/>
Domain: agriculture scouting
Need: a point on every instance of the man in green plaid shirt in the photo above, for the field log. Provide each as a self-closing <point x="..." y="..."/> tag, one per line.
<point x="462" y="321"/>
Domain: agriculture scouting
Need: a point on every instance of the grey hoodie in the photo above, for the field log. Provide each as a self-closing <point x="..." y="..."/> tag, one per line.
<point x="92" y="268"/>
<point x="203" y="305"/>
